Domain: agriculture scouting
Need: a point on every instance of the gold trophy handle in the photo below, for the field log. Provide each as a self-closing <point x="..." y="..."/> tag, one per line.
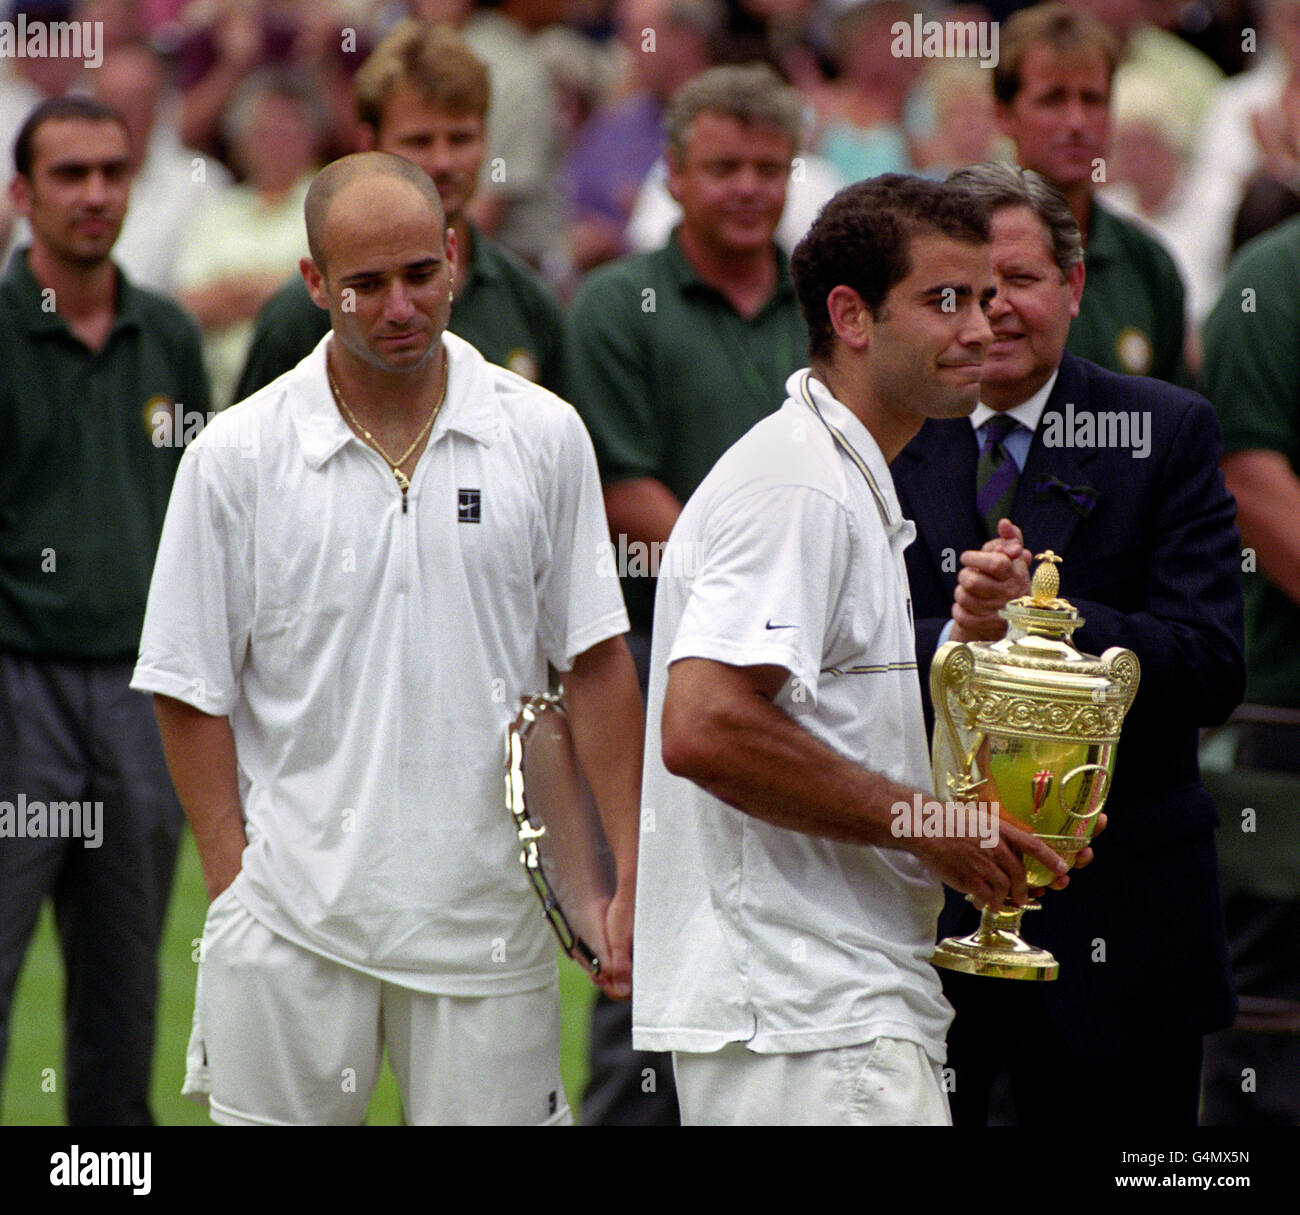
<point x="1074" y="815"/>
<point x="951" y="670"/>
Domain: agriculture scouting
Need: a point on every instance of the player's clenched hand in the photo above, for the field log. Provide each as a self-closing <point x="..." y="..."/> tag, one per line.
<point x="990" y="875"/>
<point x="615" y="978"/>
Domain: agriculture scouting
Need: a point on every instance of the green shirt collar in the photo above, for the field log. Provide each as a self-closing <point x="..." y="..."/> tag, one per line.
<point x="25" y="296"/>
<point x="689" y="282"/>
<point x="1103" y="235"/>
<point x="484" y="258"/>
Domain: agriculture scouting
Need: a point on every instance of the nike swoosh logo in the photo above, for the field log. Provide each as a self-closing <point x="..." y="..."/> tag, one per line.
<point x="770" y="625"/>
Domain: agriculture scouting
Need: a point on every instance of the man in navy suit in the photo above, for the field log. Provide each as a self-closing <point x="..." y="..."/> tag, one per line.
<point x="1119" y="476"/>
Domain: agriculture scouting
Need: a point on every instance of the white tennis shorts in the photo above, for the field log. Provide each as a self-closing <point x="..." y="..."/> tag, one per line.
<point x="283" y="1036"/>
<point x="884" y="1082"/>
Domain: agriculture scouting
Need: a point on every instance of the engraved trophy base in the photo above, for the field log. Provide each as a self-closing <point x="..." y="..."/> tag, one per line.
<point x="996" y="950"/>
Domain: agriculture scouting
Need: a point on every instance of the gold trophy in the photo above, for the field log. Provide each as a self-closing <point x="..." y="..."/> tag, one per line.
<point x="1029" y="723"/>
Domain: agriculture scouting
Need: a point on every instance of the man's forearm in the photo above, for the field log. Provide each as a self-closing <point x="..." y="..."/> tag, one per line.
<point x="608" y="724"/>
<point x="1268" y="504"/>
<point x="741" y="748"/>
<point x="200" y="752"/>
<point x="722" y="731"/>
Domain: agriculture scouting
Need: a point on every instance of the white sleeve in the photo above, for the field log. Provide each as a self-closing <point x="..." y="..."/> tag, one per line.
<point x="769" y="582"/>
<point x="580" y="600"/>
<point x="199" y="614"/>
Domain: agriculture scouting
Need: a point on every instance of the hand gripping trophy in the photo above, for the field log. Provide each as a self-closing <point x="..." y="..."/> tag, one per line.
<point x="1029" y="723"/>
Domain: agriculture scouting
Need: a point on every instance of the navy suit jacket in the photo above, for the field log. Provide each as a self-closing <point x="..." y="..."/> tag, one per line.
<point x="1152" y="559"/>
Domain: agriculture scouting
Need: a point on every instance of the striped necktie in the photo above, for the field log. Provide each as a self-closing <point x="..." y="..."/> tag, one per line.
<point x="996" y="473"/>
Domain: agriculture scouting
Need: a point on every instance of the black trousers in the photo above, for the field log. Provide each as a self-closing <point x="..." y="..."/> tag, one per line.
<point x="1003" y="1035"/>
<point x="627" y="1087"/>
<point x="75" y="732"/>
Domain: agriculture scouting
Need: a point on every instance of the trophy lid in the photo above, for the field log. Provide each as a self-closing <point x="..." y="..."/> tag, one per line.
<point x="1035" y="682"/>
<point x="1042" y="613"/>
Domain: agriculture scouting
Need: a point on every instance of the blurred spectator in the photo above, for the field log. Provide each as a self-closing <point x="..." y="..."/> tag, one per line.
<point x="119" y="21"/>
<point x="26" y="81"/>
<point x="170" y="185"/>
<point x="519" y="200"/>
<point x="1252" y="123"/>
<point x="1053" y="84"/>
<point x="860" y="112"/>
<point x="952" y="119"/>
<point x="583" y="71"/>
<point x="813" y="181"/>
<point x="1211" y="26"/>
<point x="245" y="241"/>
<point x="781" y="29"/>
<point x="386" y="15"/>
<point x="665" y="43"/>
<point x="1150" y="182"/>
<point x="1151" y="51"/>
<point x="224" y="41"/>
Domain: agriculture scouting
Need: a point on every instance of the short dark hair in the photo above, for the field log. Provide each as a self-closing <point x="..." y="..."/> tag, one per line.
<point x="862" y="239"/>
<point x="85" y="109"/>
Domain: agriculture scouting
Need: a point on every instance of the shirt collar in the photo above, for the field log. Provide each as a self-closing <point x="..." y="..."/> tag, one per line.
<point x="484" y="258"/>
<point x="689" y="281"/>
<point x="469" y="408"/>
<point x="1027" y="413"/>
<point x="1103" y="243"/>
<point x="26" y="297"/>
<point x="806" y="387"/>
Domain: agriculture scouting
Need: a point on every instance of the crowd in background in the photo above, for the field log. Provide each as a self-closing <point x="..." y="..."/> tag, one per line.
<point x="233" y="105"/>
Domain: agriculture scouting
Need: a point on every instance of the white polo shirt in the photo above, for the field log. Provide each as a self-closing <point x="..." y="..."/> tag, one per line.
<point x="789" y="553"/>
<point x="370" y="659"/>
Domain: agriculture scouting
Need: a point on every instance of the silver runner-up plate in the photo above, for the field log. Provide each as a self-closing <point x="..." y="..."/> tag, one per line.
<point x="562" y="844"/>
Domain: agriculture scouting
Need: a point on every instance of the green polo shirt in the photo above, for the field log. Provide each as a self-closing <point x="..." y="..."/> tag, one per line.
<point x="667" y="374"/>
<point x="1252" y="374"/>
<point x="1131" y="317"/>
<point x="501" y="307"/>
<point x="90" y="448"/>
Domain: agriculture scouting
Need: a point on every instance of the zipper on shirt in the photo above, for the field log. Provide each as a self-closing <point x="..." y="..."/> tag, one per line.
<point x="405" y="537"/>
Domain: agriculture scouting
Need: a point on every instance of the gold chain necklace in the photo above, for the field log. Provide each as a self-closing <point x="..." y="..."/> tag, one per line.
<point x="403" y="481"/>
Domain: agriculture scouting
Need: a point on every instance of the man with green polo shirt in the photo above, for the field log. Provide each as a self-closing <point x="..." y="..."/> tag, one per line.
<point x="103" y="383"/>
<point x="672" y="356"/>
<point x="1252" y="374"/>
<point x="1051" y="86"/>
<point x="423" y="95"/>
